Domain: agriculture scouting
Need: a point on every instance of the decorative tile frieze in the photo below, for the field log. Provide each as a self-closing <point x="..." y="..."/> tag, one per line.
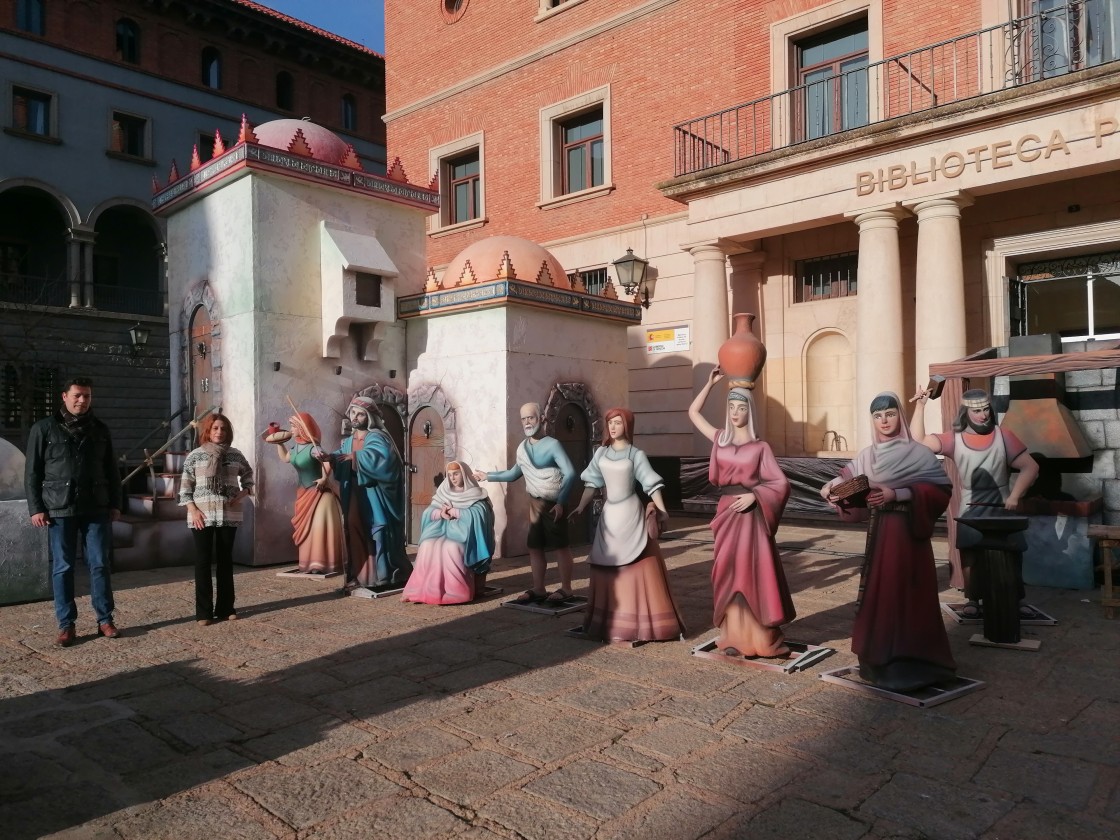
<point x="512" y="291"/>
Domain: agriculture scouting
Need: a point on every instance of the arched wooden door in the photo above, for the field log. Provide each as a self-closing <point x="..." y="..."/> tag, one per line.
<point x="201" y="368"/>
<point x="394" y="426"/>
<point x="425" y="441"/>
<point x="573" y="431"/>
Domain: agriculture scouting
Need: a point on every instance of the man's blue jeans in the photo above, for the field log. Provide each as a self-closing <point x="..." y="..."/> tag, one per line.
<point x="96" y="531"/>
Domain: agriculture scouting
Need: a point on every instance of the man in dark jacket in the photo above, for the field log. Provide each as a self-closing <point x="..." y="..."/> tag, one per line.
<point x="73" y="489"/>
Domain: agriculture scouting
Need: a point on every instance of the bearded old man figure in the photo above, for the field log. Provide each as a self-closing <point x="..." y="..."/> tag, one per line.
<point x="370" y="474"/>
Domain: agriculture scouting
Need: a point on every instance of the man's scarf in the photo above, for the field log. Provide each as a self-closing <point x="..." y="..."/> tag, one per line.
<point x="76" y="425"/>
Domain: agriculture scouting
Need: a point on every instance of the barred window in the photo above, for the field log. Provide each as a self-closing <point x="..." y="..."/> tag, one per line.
<point x="27" y="395"/>
<point x="822" y="278"/>
<point x="594" y="279"/>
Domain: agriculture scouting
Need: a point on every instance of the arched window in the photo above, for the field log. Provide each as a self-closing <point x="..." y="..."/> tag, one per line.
<point x="285" y="95"/>
<point x="128" y="41"/>
<point x="30" y="16"/>
<point x="212" y="68"/>
<point x="349" y="112"/>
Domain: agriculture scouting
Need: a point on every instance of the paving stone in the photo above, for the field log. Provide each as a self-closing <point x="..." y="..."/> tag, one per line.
<point x="854" y="710"/>
<point x="310" y="742"/>
<point x="548" y="682"/>
<point x="627" y="755"/>
<point x="352" y="668"/>
<point x="797" y="818"/>
<point x="534" y="818"/>
<point x="22" y="772"/>
<point x="745" y="772"/>
<point x="551" y="737"/>
<point x="672" y="739"/>
<point x="303" y="796"/>
<point x="120" y="747"/>
<point x="670" y="815"/>
<point x="197" y="730"/>
<point x="839" y="790"/>
<point x="56" y="721"/>
<point x="399" y="818"/>
<point x="54" y="809"/>
<point x="371" y="697"/>
<point x="191" y="771"/>
<point x="202" y="813"/>
<point x="311" y="684"/>
<point x="1031" y="821"/>
<point x="706" y="710"/>
<point x="937" y="809"/>
<point x="418" y="710"/>
<point x="172" y="700"/>
<point x="466" y="779"/>
<point x="609" y="697"/>
<point x="768" y="688"/>
<point x="409" y="750"/>
<point x="594" y="788"/>
<point x="268" y="711"/>
<point x="846" y="749"/>
<point x="474" y="676"/>
<point x="766" y="725"/>
<point x="941" y="734"/>
<point x="502" y="718"/>
<point x="1046" y="779"/>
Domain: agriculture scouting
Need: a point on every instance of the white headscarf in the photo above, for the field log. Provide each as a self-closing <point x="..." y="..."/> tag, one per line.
<point x="447" y="495"/>
<point x="737" y="395"/>
<point x="898" y="461"/>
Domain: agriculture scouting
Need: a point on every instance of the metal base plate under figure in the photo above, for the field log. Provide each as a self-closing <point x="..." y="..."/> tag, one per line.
<point x="802" y="656"/>
<point x="376" y="592"/>
<point x="1031" y="645"/>
<point x="930" y="695"/>
<point x="1037" y="617"/>
<point x="571" y="604"/>
<point x="296" y="574"/>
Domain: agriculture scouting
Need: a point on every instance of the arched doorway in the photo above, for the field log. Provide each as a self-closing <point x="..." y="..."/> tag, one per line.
<point x="573" y="431"/>
<point x="33" y="248"/>
<point x="127" y="257"/>
<point x="426" y="455"/>
<point x="829" y="392"/>
<point x="200" y="364"/>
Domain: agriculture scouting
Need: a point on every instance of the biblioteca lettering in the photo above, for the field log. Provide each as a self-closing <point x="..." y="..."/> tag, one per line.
<point x="1001" y="155"/>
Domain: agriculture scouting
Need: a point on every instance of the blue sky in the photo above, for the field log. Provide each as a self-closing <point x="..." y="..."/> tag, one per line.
<point x="362" y="21"/>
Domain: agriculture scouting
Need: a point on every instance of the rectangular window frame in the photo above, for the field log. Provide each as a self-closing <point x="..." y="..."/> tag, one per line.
<point x="551" y="121"/>
<point x="145" y="147"/>
<point x="440" y="159"/>
<point x="844" y="265"/>
<point x="16" y="91"/>
<point x="550" y="8"/>
<point x="786" y="33"/>
<point x="594" y="278"/>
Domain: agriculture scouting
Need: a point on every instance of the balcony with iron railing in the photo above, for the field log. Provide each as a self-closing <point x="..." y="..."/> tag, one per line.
<point x="30" y="290"/>
<point x="1055" y="40"/>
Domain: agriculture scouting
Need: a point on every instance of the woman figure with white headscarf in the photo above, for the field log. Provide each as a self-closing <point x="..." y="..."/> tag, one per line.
<point x="456" y="542"/>
<point x="899" y="634"/>
<point x="752" y="599"/>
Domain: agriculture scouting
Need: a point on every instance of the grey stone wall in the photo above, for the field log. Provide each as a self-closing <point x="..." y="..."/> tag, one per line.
<point x="24" y="563"/>
<point x="1093" y="396"/>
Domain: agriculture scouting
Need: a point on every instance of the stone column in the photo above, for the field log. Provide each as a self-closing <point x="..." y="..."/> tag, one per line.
<point x="939" y="308"/>
<point x="79" y="268"/>
<point x="710" y="327"/>
<point x="879" y="365"/>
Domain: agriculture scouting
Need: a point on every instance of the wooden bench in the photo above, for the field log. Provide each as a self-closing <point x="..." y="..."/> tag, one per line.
<point x="1108" y="538"/>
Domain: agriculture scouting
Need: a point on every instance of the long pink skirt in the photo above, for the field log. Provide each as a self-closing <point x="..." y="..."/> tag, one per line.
<point x="439" y="575"/>
<point x="632" y="602"/>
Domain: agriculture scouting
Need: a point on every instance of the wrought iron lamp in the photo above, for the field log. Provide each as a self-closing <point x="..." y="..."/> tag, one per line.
<point x="138" y="335"/>
<point x="631" y="272"/>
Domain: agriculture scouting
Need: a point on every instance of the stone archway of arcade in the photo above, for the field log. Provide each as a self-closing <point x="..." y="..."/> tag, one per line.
<point x="70" y="290"/>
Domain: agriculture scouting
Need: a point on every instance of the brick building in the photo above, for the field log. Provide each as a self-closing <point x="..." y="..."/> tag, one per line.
<point x="884" y="187"/>
<point x="99" y="100"/>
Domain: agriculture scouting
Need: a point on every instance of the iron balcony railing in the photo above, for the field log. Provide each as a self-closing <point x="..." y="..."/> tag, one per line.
<point x="1057" y="38"/>
<point x="28" y="290"/>
<point x="127" y="299"/>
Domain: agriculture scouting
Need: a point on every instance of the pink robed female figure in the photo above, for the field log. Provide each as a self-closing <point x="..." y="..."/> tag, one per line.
<point x="752" y="599"/>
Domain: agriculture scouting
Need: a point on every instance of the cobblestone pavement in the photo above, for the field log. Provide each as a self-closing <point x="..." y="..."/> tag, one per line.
<point x="324" y="717"/>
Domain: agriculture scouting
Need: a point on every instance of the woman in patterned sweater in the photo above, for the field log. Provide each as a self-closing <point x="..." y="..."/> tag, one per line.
<point x="216" y="477"/>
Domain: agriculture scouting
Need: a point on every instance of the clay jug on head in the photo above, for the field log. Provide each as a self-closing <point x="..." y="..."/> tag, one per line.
<point x="742" y="356"/>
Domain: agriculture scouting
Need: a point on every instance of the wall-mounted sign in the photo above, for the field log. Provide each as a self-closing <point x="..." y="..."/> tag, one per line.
<point x="667" y="340"/>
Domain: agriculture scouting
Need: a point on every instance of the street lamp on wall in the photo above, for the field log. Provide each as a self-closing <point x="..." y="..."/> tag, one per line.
<point x="631" y="272"/>
<point x="138" y="335"/>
